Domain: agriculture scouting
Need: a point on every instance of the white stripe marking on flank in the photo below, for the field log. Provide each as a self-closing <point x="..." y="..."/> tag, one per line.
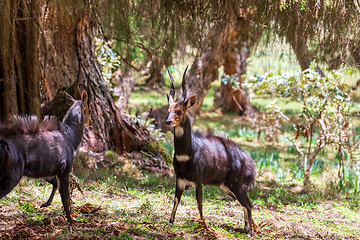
<point x="182" y="158"/>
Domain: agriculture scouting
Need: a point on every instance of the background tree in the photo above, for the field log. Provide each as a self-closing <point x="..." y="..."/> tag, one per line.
<point x="78" y="64"/>
<point x="19" y="58"/>
<point x="326" y="32"/>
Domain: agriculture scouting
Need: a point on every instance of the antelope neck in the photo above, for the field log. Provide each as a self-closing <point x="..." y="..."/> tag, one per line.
<point x="73" y="124"/>
<point x="183" y="142"/>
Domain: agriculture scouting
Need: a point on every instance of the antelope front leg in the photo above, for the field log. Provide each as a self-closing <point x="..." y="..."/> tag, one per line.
<point x="198" y="188"/>
<point x="246" y="219"/>
<point x="65" y="196"/>
<point x="180" y="186"/>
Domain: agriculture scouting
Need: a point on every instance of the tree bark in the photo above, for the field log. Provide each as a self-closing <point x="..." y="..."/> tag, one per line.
<point x="7" y="50"/>
<point x="299" y="45"/>
<point x="110" y="129"/>
<point x="355" y="52"/>
<point x="236" y="100"/>
<point x="156" y="76"/>
<point x="307" y="182"/>
<point x="239" y="38"/>
<point x="59" y="63"/>
<point x="31" y="57"/>
<point x="202" y="73"/>
<point x="19" y="58"/>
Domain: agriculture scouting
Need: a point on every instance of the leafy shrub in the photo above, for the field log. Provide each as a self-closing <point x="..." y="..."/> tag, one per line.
<point x="323" y="121"/>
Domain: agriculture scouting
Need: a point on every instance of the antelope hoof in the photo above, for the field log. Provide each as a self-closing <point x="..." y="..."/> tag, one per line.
<point x="248" y="231"/>
<point x="45" y="205"/>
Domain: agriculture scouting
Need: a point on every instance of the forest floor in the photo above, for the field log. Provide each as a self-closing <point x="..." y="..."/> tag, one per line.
<point x="119" y="200"/>
<point x="123" y="197"/>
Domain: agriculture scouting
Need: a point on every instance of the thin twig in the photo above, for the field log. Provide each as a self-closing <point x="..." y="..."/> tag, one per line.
<point x="237" y="103"/>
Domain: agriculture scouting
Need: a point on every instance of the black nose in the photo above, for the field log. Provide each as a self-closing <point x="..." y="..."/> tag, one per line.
<point x="168" y="122"/>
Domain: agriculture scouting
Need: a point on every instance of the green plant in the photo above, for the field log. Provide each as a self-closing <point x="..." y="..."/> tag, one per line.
<point x="108" y="58"/>
<point x="39" y="217"/>
<point x="264" y="160"/>
<point x="324" y="118"/>
<point x="124" y="236"/>
<point x="27" y="207"/>
<point x="146" y="206"/>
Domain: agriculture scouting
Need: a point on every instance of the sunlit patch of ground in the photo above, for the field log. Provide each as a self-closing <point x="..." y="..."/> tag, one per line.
<point x="117" y="206"/>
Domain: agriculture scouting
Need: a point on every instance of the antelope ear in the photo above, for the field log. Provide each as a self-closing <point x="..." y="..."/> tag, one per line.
<point x="191" y="101"/>
<point x="170" y="98"/>
<point x="84" y="100"/>
<point x="84" y="96"/>
<point x="69" y="99"/>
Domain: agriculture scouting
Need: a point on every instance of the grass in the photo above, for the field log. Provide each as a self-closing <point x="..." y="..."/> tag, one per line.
<point x="140" y="210"/>
<point x="136" y="204"/>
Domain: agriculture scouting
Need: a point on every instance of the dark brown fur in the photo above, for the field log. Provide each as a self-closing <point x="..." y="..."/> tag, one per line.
<point x="202" y="158"/>
<point x="42" y="149"/>
<point x="29" y="125"/>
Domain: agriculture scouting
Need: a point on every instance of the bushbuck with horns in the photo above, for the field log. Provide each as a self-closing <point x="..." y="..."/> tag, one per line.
<point x="43" y="149"/>
<point x="203" y="158"/>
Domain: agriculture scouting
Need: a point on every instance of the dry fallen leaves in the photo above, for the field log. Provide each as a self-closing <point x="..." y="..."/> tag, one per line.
<point x="88" y="208"/>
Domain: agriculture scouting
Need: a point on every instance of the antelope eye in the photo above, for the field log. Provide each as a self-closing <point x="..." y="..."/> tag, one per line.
<point x="179" y="112"/>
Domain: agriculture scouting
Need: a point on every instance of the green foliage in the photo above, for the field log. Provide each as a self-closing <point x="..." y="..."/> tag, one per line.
<point x="108" y="59"/>
<point x="244" y="132"/>
<point x="156" y="148"/>
<point x="271" y="161"/>
<point x="39" y="217"/>
<point x="112" y="155"/>
<point x="160" y="143"/>
<point x="233" y="79"/>
<point x="27" y="207"/>
<point x="349" y="181"/>
<point x="146" y="207"/>
<point x="125" y="236"/>
<point x="324" y="119"/>
<point x="264" y="160"/>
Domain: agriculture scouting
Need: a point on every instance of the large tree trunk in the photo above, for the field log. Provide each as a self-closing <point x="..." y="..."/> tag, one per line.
<point x="240" y="37"/>
<point x="19" y="59"/>
<point x="156" y="77"/>
<point x="31" y="57"/>
<point x="236" y="100"/>
<point x="298" y="42"/>
<point x="70" y="60"/>
<point x="8" y="91"/>
<point x="109" y="128"/>
<point x="202" y="73"/>
<point x="58" y="56"/>
<point x="67" y="53"/>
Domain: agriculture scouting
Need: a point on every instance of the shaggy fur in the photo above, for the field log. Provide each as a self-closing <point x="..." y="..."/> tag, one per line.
<point x="42" y="149"/>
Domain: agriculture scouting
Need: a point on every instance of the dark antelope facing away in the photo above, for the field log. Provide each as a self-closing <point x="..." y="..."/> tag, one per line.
<point x="202" y="158"/>
<point x="43" y="149"/>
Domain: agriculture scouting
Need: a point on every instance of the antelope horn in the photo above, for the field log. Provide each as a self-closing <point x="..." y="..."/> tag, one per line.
<point x="172" y="90"/>
<point x="183" y="85"/>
